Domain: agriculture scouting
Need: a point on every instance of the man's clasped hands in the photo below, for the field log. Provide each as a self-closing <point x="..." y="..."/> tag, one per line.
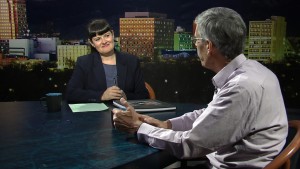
<point x="129" y="120"/>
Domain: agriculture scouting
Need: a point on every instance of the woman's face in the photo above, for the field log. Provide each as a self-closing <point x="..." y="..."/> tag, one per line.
<point x="104" y="44"/>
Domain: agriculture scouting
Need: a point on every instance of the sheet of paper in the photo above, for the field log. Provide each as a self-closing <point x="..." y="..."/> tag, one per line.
<point x="86" y="107"/>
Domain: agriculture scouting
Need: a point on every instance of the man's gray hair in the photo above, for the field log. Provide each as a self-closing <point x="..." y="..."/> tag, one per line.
<point x="225" y="28"/>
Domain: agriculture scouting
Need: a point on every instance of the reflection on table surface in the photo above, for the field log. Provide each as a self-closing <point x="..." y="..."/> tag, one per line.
<point x="30" y="137"/>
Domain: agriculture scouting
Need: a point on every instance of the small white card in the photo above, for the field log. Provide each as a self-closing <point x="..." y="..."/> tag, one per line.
<point x="85" y="107"/>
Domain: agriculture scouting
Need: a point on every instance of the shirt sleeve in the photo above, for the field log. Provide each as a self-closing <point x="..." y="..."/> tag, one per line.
<point x="201" y="132"/>
<point x="185" y="122"/>
<point x="169" y="140"/>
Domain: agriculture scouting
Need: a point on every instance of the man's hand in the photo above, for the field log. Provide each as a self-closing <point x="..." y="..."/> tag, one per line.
<point x="155" y="122"/>
<point x="126" y="120"/>
<point x="113" y="93"/>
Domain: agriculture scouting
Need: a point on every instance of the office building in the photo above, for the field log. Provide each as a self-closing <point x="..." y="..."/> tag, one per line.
<point x="47" y="45"/>
<point x="182" y="40"/>
<point x="117" y="43"/>
<point x="68" y="54"/>
<point x="293" y="47"/>
<point x="45" y="48"/>
<point x="21" y="47"/>
<point x="145" y="34"/>
<point x="13" y="22"/>
<point x="266" y="39"/>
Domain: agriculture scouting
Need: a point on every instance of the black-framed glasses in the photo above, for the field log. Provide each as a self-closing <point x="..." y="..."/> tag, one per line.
<point x="195" y="40"/>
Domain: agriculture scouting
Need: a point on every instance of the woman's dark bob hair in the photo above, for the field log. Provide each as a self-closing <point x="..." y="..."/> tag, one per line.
<point x="98" y="27"/>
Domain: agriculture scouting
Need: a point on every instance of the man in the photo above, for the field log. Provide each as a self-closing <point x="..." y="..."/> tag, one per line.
<point x="244" y="126"/>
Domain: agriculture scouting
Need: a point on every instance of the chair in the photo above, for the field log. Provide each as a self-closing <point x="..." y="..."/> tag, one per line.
<point x="283" y="160"/>
<point x="150" y="90"/>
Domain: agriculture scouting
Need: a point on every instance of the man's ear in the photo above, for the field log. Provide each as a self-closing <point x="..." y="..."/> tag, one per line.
<point x="209" y="46"/>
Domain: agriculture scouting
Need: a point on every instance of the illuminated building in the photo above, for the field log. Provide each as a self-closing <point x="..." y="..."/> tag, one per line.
<point x="145" y="34"/>
<point x="13" y="23"/>
<point x="68" y="54"/>
<point x="21" y="47"/>
<point x="266" y="39"/>
<point x="45" y="48"/>
<point x="182" y="40"/>
<point x="117" y="43"/>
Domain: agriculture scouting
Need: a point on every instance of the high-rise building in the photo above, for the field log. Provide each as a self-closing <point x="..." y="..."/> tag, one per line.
<point x="182" y="40"/>
<point x="266" y="39"/>
<point x="21" y="47"/>
<point x="13" y="22"/>
<point x="45" y="48"/>
<point x="145" y="34"/>
<point x="67" y="54"/>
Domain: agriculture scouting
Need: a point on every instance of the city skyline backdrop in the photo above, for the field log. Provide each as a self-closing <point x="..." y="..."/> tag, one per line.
<point x="70" y="17"/>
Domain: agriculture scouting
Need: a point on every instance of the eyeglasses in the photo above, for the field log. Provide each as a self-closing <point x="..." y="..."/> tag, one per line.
<point x="106" y="36"/>
<point x="196" y="40"/>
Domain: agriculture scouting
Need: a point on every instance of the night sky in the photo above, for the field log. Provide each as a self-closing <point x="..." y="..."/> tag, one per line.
<point x="70" y="17"/>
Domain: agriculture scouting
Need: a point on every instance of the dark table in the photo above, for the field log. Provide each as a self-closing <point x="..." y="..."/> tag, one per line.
<point x="30" y="137"/>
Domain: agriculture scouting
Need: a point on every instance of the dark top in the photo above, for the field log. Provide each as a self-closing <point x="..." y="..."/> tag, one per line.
<point x="88" y="81"/>
<point x="111" y="75"/>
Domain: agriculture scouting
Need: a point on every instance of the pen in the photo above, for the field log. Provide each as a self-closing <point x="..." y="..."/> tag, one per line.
<point x="116" y="80"/>
<point x="116" y="84"/>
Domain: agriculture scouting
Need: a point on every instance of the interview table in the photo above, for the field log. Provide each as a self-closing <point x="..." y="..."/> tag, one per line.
<point x="30" y="137"/>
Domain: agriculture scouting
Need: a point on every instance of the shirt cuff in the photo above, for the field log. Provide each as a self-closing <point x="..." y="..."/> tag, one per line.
<point x="143" y="131"/>
<point x="145" y="128"/>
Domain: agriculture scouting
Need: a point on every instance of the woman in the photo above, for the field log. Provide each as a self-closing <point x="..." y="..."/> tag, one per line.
<point x="105" y="74"/>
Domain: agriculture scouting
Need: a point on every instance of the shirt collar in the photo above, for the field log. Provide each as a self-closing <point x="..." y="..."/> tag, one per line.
<point x="221" y="77"/>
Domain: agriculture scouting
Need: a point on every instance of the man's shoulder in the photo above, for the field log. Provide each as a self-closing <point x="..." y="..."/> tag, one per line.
<point x="252" y="77"/>
<point x="260" y="73"/>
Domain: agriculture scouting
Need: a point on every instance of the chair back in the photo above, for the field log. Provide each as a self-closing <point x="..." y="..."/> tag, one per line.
<point x="283" y="160"/>
<point x="150" y="91"/>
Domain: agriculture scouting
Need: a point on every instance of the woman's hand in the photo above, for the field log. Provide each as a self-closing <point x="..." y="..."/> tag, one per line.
<point x="113" y="93"/>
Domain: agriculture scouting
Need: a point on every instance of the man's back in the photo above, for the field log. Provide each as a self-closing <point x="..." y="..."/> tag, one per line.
<point x="264" y="129"/>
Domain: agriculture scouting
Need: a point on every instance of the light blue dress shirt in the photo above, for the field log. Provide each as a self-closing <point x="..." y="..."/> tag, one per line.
<point x="244" y="126"/>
